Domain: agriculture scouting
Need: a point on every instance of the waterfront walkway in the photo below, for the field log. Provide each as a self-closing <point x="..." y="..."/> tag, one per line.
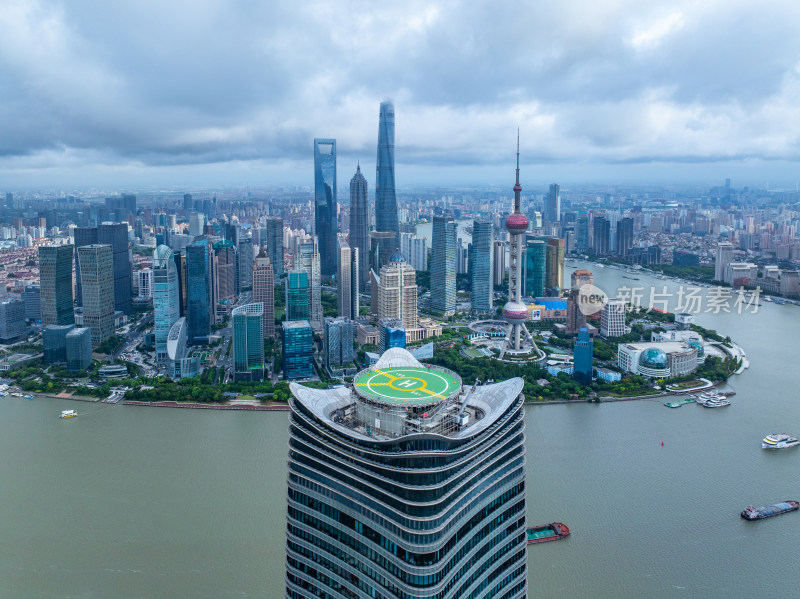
<point x="206" y="406"/>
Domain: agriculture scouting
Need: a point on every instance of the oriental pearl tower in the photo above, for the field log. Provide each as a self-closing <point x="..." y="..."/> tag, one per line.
<point x="515" y="312"/>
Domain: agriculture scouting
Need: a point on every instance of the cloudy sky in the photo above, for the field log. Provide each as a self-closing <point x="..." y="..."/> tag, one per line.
<point x="204" y="92"/>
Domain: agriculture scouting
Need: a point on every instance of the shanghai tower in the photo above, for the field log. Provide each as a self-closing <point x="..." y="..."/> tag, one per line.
<point x="385" y="199"/>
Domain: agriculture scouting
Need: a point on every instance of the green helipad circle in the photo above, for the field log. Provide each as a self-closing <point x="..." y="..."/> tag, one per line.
<point x="406" y="385"/>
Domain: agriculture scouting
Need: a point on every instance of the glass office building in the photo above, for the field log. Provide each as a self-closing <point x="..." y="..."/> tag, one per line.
<point x="394" y="495"/>
<point x="199" y="270"/>
<point x="248" y="342"/>
<point x="298" y="349"/>
<point x="359" y="225"/>
<point x="443" y="265"/>
<point x="535" y="268"/>
<point x="386" y="218"/>
<point x="166" y="304"/>
<point x="55" y="279"/>
<point x="480" y="266"/>
<point x="325" y="226"/>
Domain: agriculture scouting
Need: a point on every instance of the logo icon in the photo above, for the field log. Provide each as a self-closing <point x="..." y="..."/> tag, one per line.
<point x="591" y="299"/>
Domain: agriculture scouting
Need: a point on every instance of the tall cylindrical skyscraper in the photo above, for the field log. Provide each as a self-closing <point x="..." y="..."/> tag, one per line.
<point x="386" y="220"/>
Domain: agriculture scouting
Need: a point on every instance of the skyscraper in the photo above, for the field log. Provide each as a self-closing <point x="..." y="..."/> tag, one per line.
<point x="116" y="235"/>
<point x="245" y="255"/>
<point x="308" y="260"/>
<point x="443" y="265"/>
<point x="248" y="342"/>
<point x="723" y="259"/>
<point x="515" y="312"/>
<point x="83" y="236"/>
<point x="298" y="349"/>
<point x="274" y="244"/>
<point x="386" y="219"/>
<point x="582" y="353"/>
<point x="602" y="235"/>
<point x="325" y="203"/>
<point x="337" y="339"/>
<point x="55" y="274"/>
<point x="369" y="512"/>
<point x="359" y="225"/>
<point x="200" y="304"/>
<point x="535" y="267"/>
<point x="397" y="292"/>
<point x="227" y="269"/>
<point x="264" y="290"/>
<point x="554" y="276"/>
<point x="480" y="266"/>
<point x="624" y="236"/>
<point x="347" y="280"/>
<point x="97" y="269"/>
<point x="166" y="302"/>
<point x="552" y="207"/>
<point x="298" y="296"/>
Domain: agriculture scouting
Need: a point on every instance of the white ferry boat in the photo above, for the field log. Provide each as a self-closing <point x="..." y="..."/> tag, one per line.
<point x="69" y="414"/>
<point x="779" y="441"/>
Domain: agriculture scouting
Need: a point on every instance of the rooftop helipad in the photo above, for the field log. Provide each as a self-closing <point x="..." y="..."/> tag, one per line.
<point x="407" y="385"/>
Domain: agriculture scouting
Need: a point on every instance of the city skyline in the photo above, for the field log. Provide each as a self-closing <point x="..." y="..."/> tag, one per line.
<point x="655" y="93"/>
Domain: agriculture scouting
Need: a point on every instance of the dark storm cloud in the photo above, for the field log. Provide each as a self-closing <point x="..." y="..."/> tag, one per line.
<point x="184" y="83"/>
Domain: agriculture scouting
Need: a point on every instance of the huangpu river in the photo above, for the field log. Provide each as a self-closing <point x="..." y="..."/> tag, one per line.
<point x="128" y="502"/>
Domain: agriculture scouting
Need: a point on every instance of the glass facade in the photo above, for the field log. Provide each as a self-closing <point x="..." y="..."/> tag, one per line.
<point x="414" y="516"/>
<point x="359" y="225"/>
<point x="583" y="357"/>
<point x="325" y="226"/>
<point x="554" y="273"/>
<point x="298" y="305"/>
<point x="198" y="286"/>
<point x="116" y="235"/>
<point x="480" y="266"/>
<point x="166" y="306"/>
<point x="298" y="349"/>
<point x="386" y="219"/>
<point x="534" y="268"/>
<point x="274" y="244"/>
<point x="97" y="269"/>
<point x="55" y="278"/>
<point x="248" y="342"/>
<point x="82" y="236"/>
<point x="443" y="265"/>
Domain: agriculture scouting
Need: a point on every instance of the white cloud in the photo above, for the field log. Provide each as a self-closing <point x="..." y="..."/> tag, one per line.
<point x="655" y="33"/>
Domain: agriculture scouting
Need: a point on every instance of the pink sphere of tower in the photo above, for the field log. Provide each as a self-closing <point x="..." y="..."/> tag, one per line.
<point x="517" y="223"/>
<point x="515" y="312"/>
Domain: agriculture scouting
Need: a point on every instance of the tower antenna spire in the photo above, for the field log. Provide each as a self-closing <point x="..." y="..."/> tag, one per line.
<point x="517" y="186"/>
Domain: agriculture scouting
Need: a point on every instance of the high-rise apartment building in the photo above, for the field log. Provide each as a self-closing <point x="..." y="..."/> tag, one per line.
<point x="552" y="205"/>
<point x="298" y="296"/>
<point x="196" y="224"/>
<point x="386" y="216"/>
<point x="371" y="515"/>
<point x="397" y="292"/>
<point x="347" y="280"/>
<point x="97" y="270"/>
<point x="325" y="205"/>
<point x="145" y="278"/>
<point x="337" y="339"/>
<point x="201" y="290"/>
<point x="12" y="318"/>
<point x="274" y="244"/>
<point x="116" y="235"/>
<point x="55" y="280"/>
<point x="264" y="290"/>
<point x="723" y="259"/>
<point x="248" y="342"/>
<point x="359" y="225"/>
<point x="612" y="318"/>
<point x="535" y="270"/>
<point x="480" y="266"/>
<point x="298" y="349"/>
<point x="443" y="265"/>
<point x="415" y="250"/>
<point x="166" y="301"/>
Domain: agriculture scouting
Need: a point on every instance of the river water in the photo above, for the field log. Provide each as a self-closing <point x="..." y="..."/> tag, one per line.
<point x="131" y="502"/>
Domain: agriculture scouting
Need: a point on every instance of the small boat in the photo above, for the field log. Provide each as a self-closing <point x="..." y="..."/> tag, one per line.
<point x="678" y="404"/>
<point x="29" y="397"/>
<point x="779" y="441"/>
<point x="631" y="278"/>
<point x="549" y="532"/>
<point x="69" y="414"/>
<point x="767" y="511"/>
<point x="715" y="403"/>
